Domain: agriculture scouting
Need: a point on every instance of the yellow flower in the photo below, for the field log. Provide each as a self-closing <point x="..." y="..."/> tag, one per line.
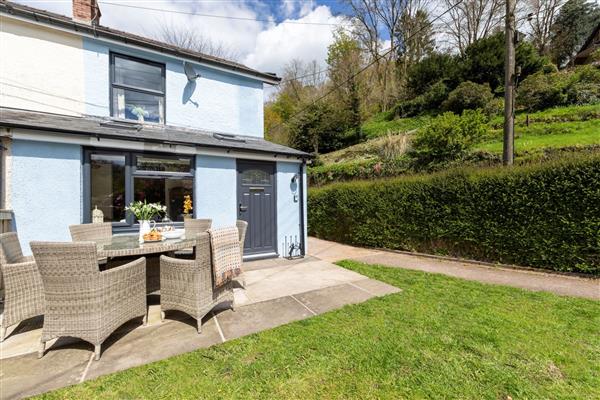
<point x="187" y="204"/>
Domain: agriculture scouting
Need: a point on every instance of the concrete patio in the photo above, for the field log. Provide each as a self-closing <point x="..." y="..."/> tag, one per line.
<point x="277" y="292"/>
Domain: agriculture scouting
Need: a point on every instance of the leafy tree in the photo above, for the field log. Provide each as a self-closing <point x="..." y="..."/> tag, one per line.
<point x="318" y="129"/>
<point x="345" y="61"/>
<point x="414" y="36"/>
<point x="483" y="61"/>
<point x="468" y="96"/>
<point x="434" y="68"/>
<point x="575" y="22"/>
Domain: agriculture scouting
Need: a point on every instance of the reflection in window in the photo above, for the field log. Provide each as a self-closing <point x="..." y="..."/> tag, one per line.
<point x="167" y="191"/>
<point x="159" y="164"/>
<point x="139" y="106"/>
<point x="107" y="174"/>
<point x="256" y="177"/>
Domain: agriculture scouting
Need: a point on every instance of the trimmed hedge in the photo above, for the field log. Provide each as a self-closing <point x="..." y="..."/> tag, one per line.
<point x="545" y="216"/>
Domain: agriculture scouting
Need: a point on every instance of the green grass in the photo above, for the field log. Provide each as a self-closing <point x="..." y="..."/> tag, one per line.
<point x="556" y="114"/>
<point x="548" y="135"/>
<point x="439" y="338"/>
<point x="378" y="126"/>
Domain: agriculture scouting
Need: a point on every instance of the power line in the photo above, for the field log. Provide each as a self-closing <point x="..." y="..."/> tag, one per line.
<point x="379" y="57"/>
<point x="218" y="16"/>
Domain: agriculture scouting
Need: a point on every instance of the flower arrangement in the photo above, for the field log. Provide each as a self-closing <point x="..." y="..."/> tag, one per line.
<point x="187" y="204"/>
<point x="144" y="211"/>
<point x="140" y="112"/>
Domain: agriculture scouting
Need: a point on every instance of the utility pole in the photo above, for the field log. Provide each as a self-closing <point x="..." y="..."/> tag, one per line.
<point x="509" y="85"/>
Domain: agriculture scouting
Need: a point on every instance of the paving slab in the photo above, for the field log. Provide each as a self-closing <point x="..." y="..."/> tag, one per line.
<point x="260" y="316"/>
<point x="27" y="375"/>
<point x="376" y="288"/>
<point x="327" y="299"/>
<point x="145" y="345"/>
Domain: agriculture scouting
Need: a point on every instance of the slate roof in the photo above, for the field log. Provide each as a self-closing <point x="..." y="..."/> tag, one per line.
<point x="61" y="21"/>
<point x="102" y="127"/>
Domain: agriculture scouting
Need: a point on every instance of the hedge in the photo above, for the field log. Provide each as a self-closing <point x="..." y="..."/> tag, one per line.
<point x="545" y="215"/>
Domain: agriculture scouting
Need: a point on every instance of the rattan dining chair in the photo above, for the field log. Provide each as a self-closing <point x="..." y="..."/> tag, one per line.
<point x="95" y="232"/>
<point x="83" y="302"/>
<point x="242" y="228"/>
<point x="193" y="227"/>
<point x="23" y="290"/>
<point x="187" y="285"/>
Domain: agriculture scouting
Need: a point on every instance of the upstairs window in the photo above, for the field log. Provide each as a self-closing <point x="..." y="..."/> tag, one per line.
<point x="137" y="89"/>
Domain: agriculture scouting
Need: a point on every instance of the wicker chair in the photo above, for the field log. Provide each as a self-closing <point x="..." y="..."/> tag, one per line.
<point x="192" y="228"/>
<point x="83" y="302"/>
<point x="92" y="232"/>
<point x="242" y="228"/>
<point x="23" y="290"/>
<point x="187" y="285"/>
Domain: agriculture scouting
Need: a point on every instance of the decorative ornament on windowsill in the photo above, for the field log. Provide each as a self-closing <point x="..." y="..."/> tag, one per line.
<point x="140" y="112"/>
<point x="97" y="216"/>
<point x="187" y="206"/>
<point x="145" y="214"/>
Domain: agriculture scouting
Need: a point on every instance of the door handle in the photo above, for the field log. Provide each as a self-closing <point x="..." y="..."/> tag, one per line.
<point x="243" y="208"/>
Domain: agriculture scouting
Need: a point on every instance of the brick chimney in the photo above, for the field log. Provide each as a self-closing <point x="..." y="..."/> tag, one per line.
<point x="86" y="11"/>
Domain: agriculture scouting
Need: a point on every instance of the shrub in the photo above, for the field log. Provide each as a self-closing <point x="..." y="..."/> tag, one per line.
<point x="544" y="215"/>
<point x="365" y="169"/>
<point x="468" y="96"/>
<point x="448" y="137"/>
<point x="430" y="100"/>
<point x="576" y="86"/>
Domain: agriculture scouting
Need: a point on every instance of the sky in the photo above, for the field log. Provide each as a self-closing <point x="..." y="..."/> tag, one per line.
<point x="267" y="45"/>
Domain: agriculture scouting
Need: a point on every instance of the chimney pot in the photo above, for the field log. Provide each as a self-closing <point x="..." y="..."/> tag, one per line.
<point x="86" y="11"/>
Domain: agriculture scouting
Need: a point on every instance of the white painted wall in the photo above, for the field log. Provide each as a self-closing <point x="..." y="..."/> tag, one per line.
<point x="40" y="69"/>
<point x="45" y="190"/>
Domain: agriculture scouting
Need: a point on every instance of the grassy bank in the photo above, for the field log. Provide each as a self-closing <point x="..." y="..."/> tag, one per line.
<point x="439" y="338"/>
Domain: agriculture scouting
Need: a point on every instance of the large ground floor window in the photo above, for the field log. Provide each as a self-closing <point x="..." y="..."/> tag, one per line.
<point x="113" y="179"/>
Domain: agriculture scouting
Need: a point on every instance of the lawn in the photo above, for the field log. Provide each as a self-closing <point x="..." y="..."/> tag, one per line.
<point x="379" y="126"/>
<point x="548" y="135"/>
<point x="440" y="337"/>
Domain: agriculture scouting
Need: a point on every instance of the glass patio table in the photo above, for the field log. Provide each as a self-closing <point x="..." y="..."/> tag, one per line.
<point x="129" y="245"/>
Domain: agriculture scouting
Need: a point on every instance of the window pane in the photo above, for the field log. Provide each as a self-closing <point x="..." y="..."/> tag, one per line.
<point x="129" y="104"/>
<point x="138" y="74"/>
<point x="256" y="177"/>
<point x="158" y="164"/>
<point x="166" y="191"/>
<point x="108" y="186"/>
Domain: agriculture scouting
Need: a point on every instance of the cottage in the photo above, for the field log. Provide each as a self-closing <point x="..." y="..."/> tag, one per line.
<point x="92" y="118"/>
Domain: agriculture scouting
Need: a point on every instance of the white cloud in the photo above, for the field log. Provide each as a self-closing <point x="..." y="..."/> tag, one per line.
<point x="281" y="43"/>
<point x="264" y="45"/>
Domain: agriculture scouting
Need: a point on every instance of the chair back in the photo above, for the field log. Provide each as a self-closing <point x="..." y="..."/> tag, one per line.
<point x="10" y="248"/>
<point x="195" y="226"/>
<point x="91" y="232"/>
<point x="242" y="228"/>
<point x="67" y="268"/>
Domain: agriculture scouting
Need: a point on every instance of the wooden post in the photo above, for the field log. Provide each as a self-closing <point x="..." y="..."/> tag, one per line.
<point x="509" y="83"/>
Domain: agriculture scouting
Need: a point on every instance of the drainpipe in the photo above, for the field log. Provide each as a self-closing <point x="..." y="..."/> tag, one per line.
<point x="301" y="192"/>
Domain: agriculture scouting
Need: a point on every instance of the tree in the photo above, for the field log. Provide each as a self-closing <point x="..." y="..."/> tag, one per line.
<point x="345" y="61"/>
<point x="472" y="20"/>
<point x="542" y="14"/>
<point x="318" y="129"/>
<point x="415" y="37"/>
<point x="374" y="20"/>
<point x="191" y="39"/>
<point x="483" y="61"/>
<point x="574" y="23"/>
<point x="434" y="68"/>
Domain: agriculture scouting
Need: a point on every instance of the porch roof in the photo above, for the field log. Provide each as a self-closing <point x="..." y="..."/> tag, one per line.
<point x="105" y="127"/>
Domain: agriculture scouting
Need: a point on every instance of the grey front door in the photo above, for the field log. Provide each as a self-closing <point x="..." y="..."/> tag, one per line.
<point x="257" y="205"/>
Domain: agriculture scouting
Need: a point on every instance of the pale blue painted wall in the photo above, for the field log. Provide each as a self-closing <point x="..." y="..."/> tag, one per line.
<point x="218" y="101"/>
<point x="45" y="190"/>
<point x="216" y="194"/>
<point x="288" y="210"/>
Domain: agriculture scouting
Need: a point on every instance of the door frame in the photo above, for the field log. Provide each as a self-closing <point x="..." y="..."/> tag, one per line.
<point x="238" y="162"/>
